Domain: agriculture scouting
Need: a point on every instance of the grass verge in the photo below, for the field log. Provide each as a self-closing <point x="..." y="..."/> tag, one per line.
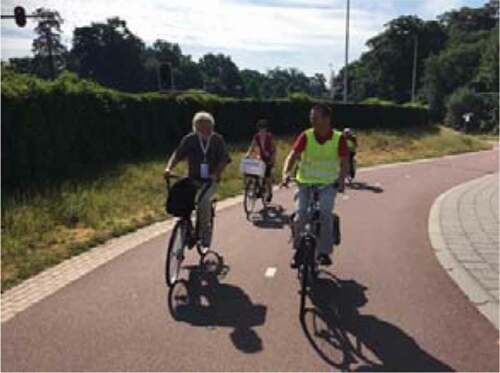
<point x="43" y="230"/>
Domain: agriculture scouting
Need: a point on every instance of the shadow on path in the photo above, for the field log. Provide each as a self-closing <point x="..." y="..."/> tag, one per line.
<point x="203" y="301"/>
<point x="350" y="341"/>
<point x="359" y="185"/>
<point x="270" y="217"/>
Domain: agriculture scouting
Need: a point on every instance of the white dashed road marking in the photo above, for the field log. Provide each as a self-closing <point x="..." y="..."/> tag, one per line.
<point x="270" y="272"/>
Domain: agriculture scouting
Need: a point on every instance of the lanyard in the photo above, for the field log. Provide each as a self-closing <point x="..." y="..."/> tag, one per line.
<point x="204" y="149"/>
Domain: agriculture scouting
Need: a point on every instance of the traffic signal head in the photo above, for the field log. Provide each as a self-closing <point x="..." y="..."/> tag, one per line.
<point x="20" y="15"/>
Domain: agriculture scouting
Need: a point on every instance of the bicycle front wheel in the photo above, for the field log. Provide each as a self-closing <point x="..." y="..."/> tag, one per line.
<point x="304" y="277"/>
<point x="175" y="252"/>
<point x="250" y="196"/>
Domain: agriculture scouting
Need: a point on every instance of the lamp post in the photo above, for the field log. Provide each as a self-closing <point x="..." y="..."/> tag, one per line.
<point x="332" y="82"/>
<point x="346" y="73"/>
<point x="414" y="74"/>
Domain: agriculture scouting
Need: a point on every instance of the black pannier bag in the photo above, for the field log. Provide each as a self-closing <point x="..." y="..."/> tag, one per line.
<point x="181" y="198"/>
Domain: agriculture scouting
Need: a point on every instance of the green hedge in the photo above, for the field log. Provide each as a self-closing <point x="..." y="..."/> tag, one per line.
<point x="52" y="130"/>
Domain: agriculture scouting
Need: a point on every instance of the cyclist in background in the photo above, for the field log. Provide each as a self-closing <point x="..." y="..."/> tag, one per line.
<point x="263" y="144"/>
<point x="352" y="145"/>
<point x="322" y="152"/>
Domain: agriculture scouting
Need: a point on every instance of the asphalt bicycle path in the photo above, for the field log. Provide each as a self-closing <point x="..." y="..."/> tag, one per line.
<point x="385" y="305"/>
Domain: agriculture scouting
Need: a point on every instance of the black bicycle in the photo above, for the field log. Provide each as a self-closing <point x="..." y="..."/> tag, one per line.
<point x="306" y="255"/>
<point x="255" y="188"/>
<point x="186" y="234"/>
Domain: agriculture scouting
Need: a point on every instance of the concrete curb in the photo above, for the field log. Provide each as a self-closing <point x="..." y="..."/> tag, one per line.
<point x="46" y="283"/>
<point x="466" y="282"/>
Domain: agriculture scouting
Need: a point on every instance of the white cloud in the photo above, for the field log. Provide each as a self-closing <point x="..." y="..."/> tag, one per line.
<point x="309" y="34"/>
<point x="430" y="9"/>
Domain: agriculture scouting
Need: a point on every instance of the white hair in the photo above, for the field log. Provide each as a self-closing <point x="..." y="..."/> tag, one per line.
<point x="202" y="116"/>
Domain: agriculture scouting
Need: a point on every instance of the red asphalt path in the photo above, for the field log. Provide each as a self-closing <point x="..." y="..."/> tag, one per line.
<point x="387" y="304"/>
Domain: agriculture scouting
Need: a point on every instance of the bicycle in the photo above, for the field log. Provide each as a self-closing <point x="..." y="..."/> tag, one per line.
<point x="254" y="173"/>
<point x="308" y="265"/>
<point x="255" y="188"/>
<point x="186" y="234"/>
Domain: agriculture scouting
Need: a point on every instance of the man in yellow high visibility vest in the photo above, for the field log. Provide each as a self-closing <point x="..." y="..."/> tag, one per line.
<point x="323" y="160"/>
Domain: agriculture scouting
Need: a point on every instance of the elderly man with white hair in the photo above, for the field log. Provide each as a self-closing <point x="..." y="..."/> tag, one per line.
<point x="207" y="156"/>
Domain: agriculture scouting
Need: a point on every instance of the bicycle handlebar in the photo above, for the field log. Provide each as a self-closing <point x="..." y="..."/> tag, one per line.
<point x="207" y="182"/>
<point x="317" y="186"/>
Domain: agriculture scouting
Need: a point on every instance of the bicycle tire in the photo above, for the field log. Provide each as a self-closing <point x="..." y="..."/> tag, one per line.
<point x="175" y="252"/>
<point x="303" y="284"/>
<point x="249" y="199"/>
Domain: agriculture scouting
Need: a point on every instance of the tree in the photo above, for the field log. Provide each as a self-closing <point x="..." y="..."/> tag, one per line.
<point x="110" y="54"/>
<point x="221" y="75"/>
<point x="488" y="68"/>
<point x="253" y="82"/>
<point x="49" y="52"/>
<point x="186" y="72"/>
<point x="444" y="73"/>
<point x="465" y="102"/>
<point x="317" y="86"/>
<point x="386" y="70"/>
<point x="22" y="65"/>
<point x="470" y="58"/>
<point x="188" y="75"/>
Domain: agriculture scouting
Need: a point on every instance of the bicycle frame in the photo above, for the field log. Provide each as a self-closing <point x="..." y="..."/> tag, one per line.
<point x="312" y="225"/>
<point x="193" y="229"/>
<point x="259" y="182"/>
<point x="308" y="236"/>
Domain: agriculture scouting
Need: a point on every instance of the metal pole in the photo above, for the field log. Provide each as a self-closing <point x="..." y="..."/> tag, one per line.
<point x="414" y="76"/>
<point x="12" y="17"/>
<point x="346" y="73"/>
<point x="332" y="82"/>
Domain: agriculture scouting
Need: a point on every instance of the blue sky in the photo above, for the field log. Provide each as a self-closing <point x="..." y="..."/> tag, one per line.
<point x="257" y="34"/>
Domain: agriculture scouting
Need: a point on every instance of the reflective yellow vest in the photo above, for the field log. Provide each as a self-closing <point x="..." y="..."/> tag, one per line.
<point x="319" y="163"/>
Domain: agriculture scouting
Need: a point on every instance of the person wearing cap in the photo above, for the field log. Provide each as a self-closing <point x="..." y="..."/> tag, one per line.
<point x="352" y="145"/>
<point x="263" y="145"/>
<point x="207" y="156"/>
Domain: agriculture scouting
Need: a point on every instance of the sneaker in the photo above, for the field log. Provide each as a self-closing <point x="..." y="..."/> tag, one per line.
<point x="324" y="260"/>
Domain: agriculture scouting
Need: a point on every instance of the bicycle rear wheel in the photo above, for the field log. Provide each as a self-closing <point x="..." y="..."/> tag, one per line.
<point x="175" y="252"/>
<point x="250" y="197"/>
<point x="266" y="193"/>
<point x="308" y="269"/>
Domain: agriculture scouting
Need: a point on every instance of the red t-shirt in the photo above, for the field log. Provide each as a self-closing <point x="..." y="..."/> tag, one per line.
<point x="301" y="143"/>
<point x="265" y="145"/>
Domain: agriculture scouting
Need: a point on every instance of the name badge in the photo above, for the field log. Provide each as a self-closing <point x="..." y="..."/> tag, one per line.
<point x="204" y="171"/>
